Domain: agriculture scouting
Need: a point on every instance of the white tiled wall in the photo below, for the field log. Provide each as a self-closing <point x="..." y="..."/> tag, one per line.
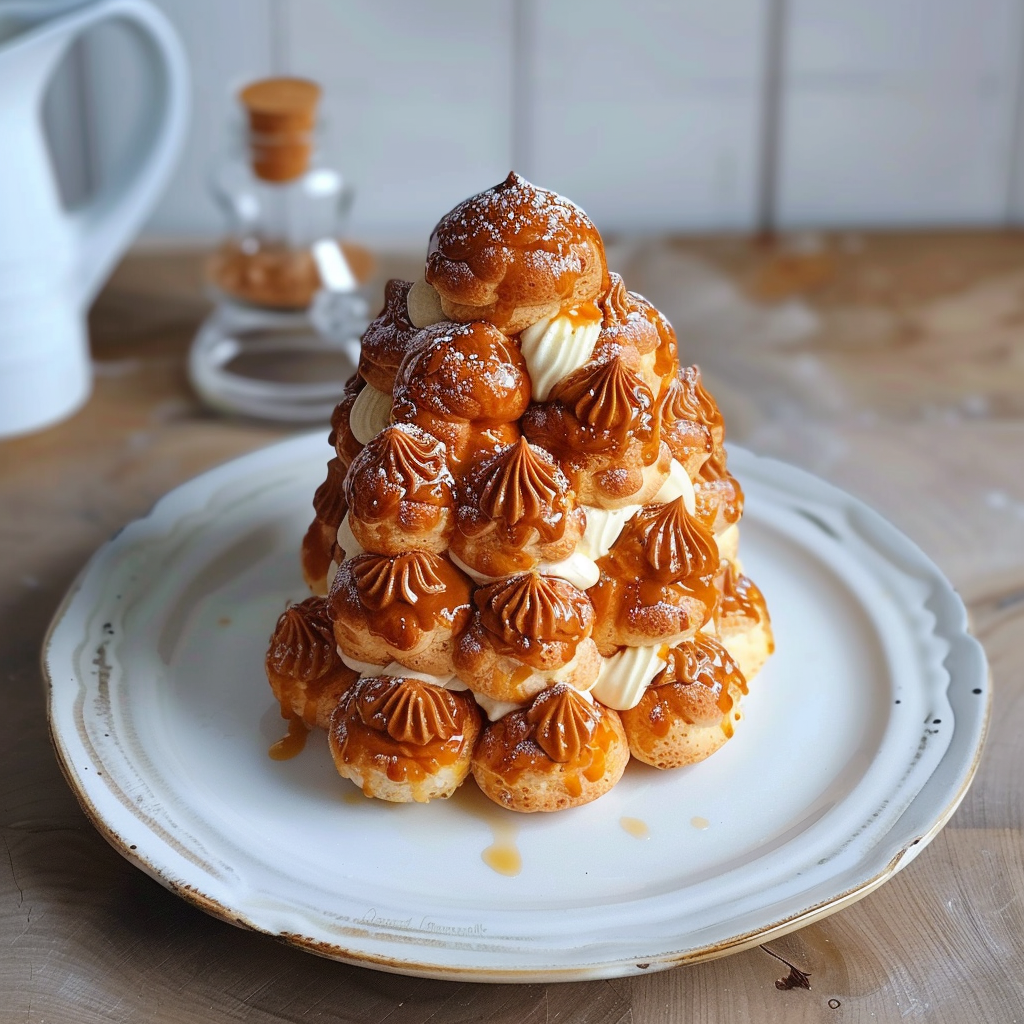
<point x="899" y="111"/>
<point x="650" y="113"/>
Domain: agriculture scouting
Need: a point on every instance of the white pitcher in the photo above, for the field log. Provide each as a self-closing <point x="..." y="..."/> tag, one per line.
<point x="53" y="261"/>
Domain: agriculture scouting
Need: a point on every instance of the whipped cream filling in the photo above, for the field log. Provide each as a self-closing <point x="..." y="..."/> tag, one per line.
<point x="494" y="709"/>
<point x="579" y="570"/>
<point x="624" y="677"/>
<point x="678" y="485"/>
<point x="423" y="305"/>
<point x="364" y="668"/>
<point x="554" y="347"/>
<point x="347" y="540"/>
<point x="371" y="413"/>
<point x="400" y="671"/>
<point x="332" y="571"/>
<point x="477" y="577"/>
<point x="603" y="528"/>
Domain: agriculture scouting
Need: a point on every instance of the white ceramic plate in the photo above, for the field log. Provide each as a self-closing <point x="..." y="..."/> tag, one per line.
<point x="859" y="740"/>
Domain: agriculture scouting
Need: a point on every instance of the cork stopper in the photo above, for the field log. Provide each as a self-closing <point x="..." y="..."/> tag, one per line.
<point x="282" y="115"/>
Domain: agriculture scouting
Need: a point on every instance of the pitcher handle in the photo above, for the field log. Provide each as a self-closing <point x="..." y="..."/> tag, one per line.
<point x="102" y="227"/>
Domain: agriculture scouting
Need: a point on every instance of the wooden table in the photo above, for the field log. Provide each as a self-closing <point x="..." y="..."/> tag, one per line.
<point x="892" y="365"/>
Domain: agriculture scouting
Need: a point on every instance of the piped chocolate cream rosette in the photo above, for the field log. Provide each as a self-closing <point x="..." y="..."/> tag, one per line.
<point x="528" y="632"/>
<point x="406" y="608"/>
<point x="529" y="519"/>
<point x="599" y="423"/>
<point x="402" y="739"/>
<point x="562" y="751"/>
<point x="303" y="666"/>
<point x="400" y="494"/>
<point x="516" y="511"/>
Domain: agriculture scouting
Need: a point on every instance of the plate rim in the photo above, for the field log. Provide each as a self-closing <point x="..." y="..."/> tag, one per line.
<point x="954" y="627"/>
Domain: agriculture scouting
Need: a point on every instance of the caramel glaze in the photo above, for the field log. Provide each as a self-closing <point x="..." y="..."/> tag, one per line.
<point x="387" y="339"/>
<point x="740" y="600"/>
<point x="292" y="743"/>
<point x="512" y="506"/>
<point x="402" y="475"/>
<point x="329" y="504"/>
<point x="466" y="384"/>
<point x="697" y="686"/>
<point x="399" y="598"/>
<point x="515" y="246"/>
<point x="317" y="553"/>
<point x="696" y="403"/>
<point x="560" y="733"/>
<point x="302" y="662"/>
<point x="658" y="580"/>
<point x="345" y="444"/>
<point x="404" y="728"/>
<point x="538" y="620"/>
<point x="718" y="493"/>
<point x="599" y="419"/>
<point x="689" y="438"/>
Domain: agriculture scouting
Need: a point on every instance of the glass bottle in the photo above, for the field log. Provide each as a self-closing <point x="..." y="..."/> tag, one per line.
<point x="281" y="269"/>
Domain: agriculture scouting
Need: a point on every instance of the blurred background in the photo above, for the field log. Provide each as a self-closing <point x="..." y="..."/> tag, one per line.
<point x="692" y="116"/>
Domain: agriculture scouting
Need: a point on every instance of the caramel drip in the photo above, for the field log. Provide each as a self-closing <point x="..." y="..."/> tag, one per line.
<point x="521" y="483"/>
<point x="302" y="646"/>
<point x="563" y="723"/>
<point x="608" y="397"/>
<point x="541" y="608"/>
<point x="703" y="661"/>
<point x="410" y="711"/>
<point x="402" y="463"/>
<point x="383" y="581"/>
<point x="292" y="743"/>
<point x="739" y="595"/>
<point x="329" y="500"/>
<point x="500" y="235"/>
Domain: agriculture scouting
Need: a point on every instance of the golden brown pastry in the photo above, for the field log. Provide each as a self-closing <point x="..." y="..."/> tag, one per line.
<point x="516" y="510"/>
<point x="466" y="384"/>
<point x="562" y="751"/>
<point x="689" y="419"/>
<point x="387" y="339"/>
<point x="718" y="492"/>
<point x="320" y="544"/>
<point x="657" y="582"/>
<point x="689" y="709"/>
<point x="405" y="608"/>
<point x="599" y="422"/>
<point x="400" y="493"/>
<point x="345" y="444"/>
<point x="633" y="328"/>
<point x="528" y="632"/>
<point x="402" y="739"/>
<point x="513" y="255"/>
<point x="303" y="666"/>
<point x="744" y="627"/>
